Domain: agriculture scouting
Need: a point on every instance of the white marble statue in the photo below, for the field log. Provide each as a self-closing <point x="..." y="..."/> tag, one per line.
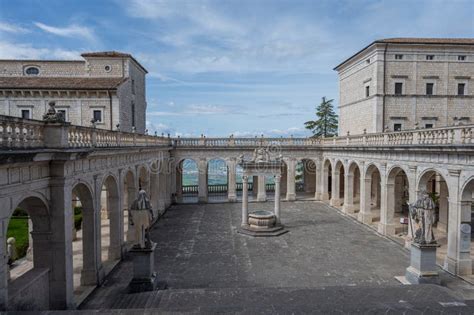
<point x="141" y="214"/>
<point x="11" y="250"/>
<point x="424" y="215"/>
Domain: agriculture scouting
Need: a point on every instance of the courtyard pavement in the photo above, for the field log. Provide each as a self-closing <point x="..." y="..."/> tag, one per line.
<point x="327" y="263"/>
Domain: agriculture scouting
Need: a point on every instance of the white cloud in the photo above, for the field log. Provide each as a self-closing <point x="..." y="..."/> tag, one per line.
<point x="72" y="31"/>
<point x="197" y="109"/>
<point x="12" y="28"/>
<point x="10" y="50"/>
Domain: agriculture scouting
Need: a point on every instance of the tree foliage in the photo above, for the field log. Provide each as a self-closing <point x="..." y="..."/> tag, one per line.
<point x="325" y="124"/>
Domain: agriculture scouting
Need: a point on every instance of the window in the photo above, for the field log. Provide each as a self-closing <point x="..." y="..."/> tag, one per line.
<point x="461" y="87"/>
<point x="367" y="61"/>
<point x="367" y="91"/>
<point x="133" y="114"/>
<point x="397" y="127"/>
<point x="428" y="126"/>
<point x="429" y="88"/>
<point x="26" y="114"/>
<point x="398" y="88"/>
<point x="63" y="112"/>
<point x="107" y="68"/>
<point x="97" y="115"/>
<point x="461" y="58"/>
<point x="133" y="86"/>
<point x="32" y="71"/>
<point x="399" y="57"/>
<point x="429" y="57"/>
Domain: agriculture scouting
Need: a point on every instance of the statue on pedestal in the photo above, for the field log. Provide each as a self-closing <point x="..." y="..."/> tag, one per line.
<point x="424" y="215"/>
<point x="141" y="215"/>
<point x="52" y="115"/>
<point x="260" y="155"/>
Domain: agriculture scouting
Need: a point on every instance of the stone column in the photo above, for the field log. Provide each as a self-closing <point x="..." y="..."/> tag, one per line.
<point x="179" y="185"/>
<point x="348" y="206"/>
<point x="387" y="206"/>
<point x="262" y="192"/>
<point x="202" y="181"/>
<point x="335" y="188"/>
<point x="162" y="190"/>
<point x="457" y="259"/>
<point x="290" y="186"/>
<point x="245" y="213"/>
<point x="4" y="269"/>
<point x="365" y="214"/>
<point x="318" y="190"/>
<point x="59" y="255"/>
<point x="412" y="195"/>
<point x="277" y="198"/>
<point x="324" y="183"/>
<point x="231" y="180"/>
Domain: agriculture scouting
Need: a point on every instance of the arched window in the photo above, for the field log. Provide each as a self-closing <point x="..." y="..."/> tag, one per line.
<point x="32" y="71"/>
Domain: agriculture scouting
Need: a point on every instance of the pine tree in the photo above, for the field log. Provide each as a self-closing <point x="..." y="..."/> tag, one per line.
<point x="326" y="123"/>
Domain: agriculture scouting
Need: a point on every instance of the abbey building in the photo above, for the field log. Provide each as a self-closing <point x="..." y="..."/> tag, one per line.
<point x="407" y="83"/>
<point x="107" y="88"/>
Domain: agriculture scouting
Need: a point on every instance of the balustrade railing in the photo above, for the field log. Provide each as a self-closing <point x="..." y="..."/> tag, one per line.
<point x="17" y="133"/>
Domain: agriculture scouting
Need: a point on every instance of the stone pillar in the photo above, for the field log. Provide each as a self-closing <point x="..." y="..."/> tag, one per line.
<point x="387" y="206"/>
<point x="231" y="180"/>
<point x="325" y="183"/>
<point x="4" y="269"/>
<point x="202" y="181"/>
<point x="59" y="256"/>
<point x="262" y="192"/>
<point x="457" y="259"/>
<point x="255" y="186"/>
<point x="179" y="185"/>
<point x="245" y="213"/>
<point x="335" y="185"/>
<point x="318" y="190"/>
<point x="162" y="190"/>
<point x="290" y="186"/>
<point x="277" y="198"/>
<point x="412" y="196"/>
<point x="348" y="206"/>
<point x="365" y="214"/>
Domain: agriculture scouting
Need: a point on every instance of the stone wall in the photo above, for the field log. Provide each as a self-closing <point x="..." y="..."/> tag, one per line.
<point x="55" y="68"/>
<point x="30" y="292"/>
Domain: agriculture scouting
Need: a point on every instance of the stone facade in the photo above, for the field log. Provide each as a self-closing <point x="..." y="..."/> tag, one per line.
<point x="368" y="100"/>
<point x="121" y="104"/>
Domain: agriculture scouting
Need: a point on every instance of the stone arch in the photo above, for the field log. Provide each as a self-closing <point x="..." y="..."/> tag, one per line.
<point x="370" y="194"/>
<point x="143" y="177"/>
<point x="216" y="170"/>
<point x="36" y="206"/>
<point x="86" y="252"/>
<point x="306" y="175"/>
<point x="129" y="193"/>
<point x="466" y="204"/>
<point x="154" y="193"/>
<point x="187" y="179"/>
<point x="396" y="198"/>
<point x="352" y="187"/>
<point x="111" y="217"/>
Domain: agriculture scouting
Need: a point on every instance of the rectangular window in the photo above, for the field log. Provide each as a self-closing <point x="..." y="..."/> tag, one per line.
<point x="461" y="58"/>
<point x="399" y="57"/>
<point x="133" y="114"/>
<point x="63" y="111"/>
<point x="429" y="57"/>
<point x="398" y="88"/>
<point x="427" y="126"/>
<point x="461" y="87"/>
<point x="97" y="115"/>
<point x="367" y="91"/>
<point x="397" y="127"/>
<point x="429" y="88"/>
<point x="25" y="114"/>
<point x="133" y="86"/>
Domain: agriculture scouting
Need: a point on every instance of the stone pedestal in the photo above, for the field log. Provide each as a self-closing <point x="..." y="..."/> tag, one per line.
<point x="144" y="276"/>
<point x="423" y="267"/>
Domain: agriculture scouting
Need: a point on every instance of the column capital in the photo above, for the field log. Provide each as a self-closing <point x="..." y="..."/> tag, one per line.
<point x="278" y="177"/>
<point x="454" y="172"/>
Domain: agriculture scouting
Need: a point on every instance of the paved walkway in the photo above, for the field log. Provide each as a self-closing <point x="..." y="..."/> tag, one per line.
<point x="327" y="262"/>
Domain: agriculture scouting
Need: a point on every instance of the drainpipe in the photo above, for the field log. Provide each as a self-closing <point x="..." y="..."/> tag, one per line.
<point x="383" y="96"/>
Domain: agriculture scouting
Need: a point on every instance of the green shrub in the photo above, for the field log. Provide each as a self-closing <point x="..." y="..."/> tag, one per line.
<point x="78" y="221"/>
<point x="19" y="212"/>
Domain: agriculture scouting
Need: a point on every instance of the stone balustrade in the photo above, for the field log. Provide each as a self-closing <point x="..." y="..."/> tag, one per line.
<point x="17" y="133"/>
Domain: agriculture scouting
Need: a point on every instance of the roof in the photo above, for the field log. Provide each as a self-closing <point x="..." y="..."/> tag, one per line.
<point x="60" y="83"/>
<point x="112" y="54"/>
<point x="413" y="41"/>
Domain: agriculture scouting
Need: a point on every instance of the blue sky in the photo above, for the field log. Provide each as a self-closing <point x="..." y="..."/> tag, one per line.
<point x="227" y="67"/>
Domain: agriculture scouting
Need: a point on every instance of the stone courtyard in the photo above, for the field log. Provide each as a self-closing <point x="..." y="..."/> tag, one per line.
<point x="327" y="262"/>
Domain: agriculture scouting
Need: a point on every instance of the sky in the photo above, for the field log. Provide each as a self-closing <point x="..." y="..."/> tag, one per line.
<point x="241" y="67"/>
